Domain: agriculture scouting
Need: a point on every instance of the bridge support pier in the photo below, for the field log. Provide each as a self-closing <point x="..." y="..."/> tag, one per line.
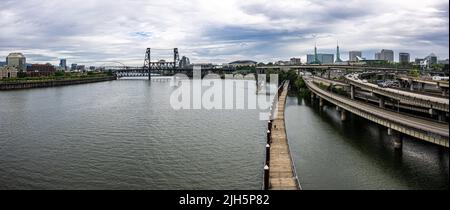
<point x="352" y="92"/>
<point x="320" y="102"/>
<point x="441" y="116"/>
<point x="312" y="96"/>
<point x="343" y="115"/>
<point x="431" y="111"/>
<point x="444" y="92"/>
<point x="381" y="102"/>
<point x="397" y="138"/>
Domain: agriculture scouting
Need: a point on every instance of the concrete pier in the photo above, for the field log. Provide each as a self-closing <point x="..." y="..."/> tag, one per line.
<point x="381" y="102"/>
<point x="282" y="174"/>
<point x="343" y="115"/>
<point x="352" y="92"/>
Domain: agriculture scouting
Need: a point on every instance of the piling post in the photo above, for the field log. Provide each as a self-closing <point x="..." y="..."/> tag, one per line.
<point x="343" y="115"/>
<point x="267" y="154"/>
<point x="266" y="177"/>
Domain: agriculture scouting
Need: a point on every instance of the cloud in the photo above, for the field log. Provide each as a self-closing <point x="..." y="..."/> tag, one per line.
<point x="218" y="31"/>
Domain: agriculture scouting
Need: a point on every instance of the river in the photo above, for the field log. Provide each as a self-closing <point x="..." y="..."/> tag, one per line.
<point x="125" y="135"/>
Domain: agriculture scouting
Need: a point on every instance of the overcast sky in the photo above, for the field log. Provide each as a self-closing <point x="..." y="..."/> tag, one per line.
<point x="218" y="31"/>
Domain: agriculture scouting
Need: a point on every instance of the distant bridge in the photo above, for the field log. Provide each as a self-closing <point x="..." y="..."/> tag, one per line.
<point x="156" y="68"/>
<point x="262" y="69"/>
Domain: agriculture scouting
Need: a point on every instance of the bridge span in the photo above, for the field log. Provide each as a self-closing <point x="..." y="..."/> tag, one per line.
<point x="279" y="171"/>
<point x="397" y="124"/>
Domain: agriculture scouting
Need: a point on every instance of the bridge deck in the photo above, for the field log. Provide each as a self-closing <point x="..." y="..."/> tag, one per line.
<point x="441" y="83"/>
<point x="329" y="81"/>
<point x="421" y="124"/>
<point x="405" y="97"/>
<point x="281" y="174"/>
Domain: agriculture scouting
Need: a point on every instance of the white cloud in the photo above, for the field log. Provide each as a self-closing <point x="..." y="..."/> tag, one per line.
<point x="218" y="31"/>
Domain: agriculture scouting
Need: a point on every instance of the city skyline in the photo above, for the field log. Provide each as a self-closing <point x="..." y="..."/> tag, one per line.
<point x="220" y="32"/>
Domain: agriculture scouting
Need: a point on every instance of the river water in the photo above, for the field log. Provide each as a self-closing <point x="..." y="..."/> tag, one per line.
<point x="357" y="154"/>
<point x="125" y="135"/>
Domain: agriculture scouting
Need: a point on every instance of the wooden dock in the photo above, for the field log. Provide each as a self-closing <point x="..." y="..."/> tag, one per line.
<point x="281" y="169"/>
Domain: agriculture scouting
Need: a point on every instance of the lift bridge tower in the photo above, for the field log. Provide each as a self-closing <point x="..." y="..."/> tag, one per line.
<point x="160" y="66"/>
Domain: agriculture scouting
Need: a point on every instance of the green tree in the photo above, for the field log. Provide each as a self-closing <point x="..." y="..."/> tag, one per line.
<point x="414" y="73"/>
<point x="59" y="74"/>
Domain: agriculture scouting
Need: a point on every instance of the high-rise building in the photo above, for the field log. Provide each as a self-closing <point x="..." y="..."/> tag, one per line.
<point x="377" y="56"/>
<point x="403" y="58"/>
<point x="320" y="59"/>
<point x="418" y="61"/>
<point x="17" y="60"/>
<point x="63" y="64"/>
<point x="352" y="55"/>
<point x="431" y="59"/>
<point x="444" y="62"/>
<point x="74" y="66"/>
<point x="387" y="55"/>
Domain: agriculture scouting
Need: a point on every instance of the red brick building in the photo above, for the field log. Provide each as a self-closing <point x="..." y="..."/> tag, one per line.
<point x="37" y="70"/>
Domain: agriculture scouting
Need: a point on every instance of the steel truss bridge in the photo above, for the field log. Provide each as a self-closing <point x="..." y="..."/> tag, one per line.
<point x="154" y="68"/>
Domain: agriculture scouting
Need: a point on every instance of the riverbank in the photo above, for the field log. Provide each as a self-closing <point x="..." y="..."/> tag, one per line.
<point x="15" y="85"/>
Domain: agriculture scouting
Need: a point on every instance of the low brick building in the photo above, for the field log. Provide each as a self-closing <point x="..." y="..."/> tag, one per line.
<point x="37" y="70"/>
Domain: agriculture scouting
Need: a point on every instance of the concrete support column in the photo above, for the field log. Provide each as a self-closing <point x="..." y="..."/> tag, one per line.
<point x="397" y="138"/>
<point x="312" y="96"/>
<point x="411" y="86"/>
<point x="338" y="108"/>
<point x="382" y="105"/>
<point x="431" y="111"/>
<point x="441" y="116"/>
<point x="343" y="115"/>
<point x="320" y="102"/>
<point x="352" y="92"/>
